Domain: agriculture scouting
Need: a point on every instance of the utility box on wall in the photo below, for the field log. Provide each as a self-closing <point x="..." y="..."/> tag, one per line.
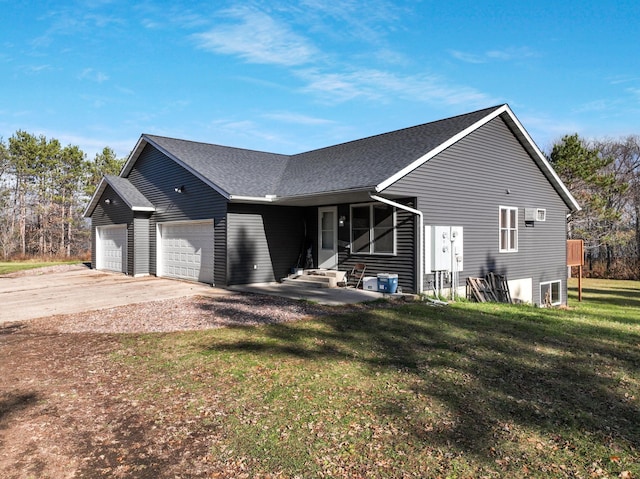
<point x="457" y="241"/>
<point x="443" y="248"/>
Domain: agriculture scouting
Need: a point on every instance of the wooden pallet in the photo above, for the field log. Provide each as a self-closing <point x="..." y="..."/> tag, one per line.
<point x="500" y="287"/>
<point x="491" y="288"/>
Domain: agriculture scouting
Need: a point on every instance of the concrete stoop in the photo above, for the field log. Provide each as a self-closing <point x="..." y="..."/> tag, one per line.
<point x="316" y="278"/>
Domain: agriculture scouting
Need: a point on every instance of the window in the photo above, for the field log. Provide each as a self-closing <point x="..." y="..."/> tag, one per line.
<point x="373" y="229"/>
<point x="508" y="229"/>
<point x="550" y="293"/>
<point x="541" y="214"/>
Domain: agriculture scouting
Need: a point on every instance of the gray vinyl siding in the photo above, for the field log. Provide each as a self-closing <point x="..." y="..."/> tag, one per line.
<point x="156" y="176"/>
<point x="263" y="242"/>
<point x="113" y="214"/>
<point x="141" y="245"/>
<point x="402" y="263"/>
<point x="466" y="184"/>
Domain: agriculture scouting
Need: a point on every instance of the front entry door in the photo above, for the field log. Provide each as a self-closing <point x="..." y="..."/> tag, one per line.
<point x="328" y="237"/>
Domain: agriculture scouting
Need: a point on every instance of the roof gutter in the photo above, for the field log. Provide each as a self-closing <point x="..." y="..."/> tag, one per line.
<point x="418" y="213"/>
<point x="253" y="199"/>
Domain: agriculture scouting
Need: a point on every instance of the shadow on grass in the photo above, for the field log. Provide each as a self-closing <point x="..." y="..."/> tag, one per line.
<point x="11" y="403"/>
<point x="493" y="369"/>
<point x="622" y="297"/>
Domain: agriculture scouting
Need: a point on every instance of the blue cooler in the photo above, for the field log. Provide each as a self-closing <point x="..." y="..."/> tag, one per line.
<point x="387" y="283"/>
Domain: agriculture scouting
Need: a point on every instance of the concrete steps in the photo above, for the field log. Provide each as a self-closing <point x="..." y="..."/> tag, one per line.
<point x="316" y="278"/>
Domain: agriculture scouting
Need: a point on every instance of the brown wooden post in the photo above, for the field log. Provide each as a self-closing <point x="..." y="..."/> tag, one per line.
<point x="580" y="283"/>
<point x="575" y="257"/>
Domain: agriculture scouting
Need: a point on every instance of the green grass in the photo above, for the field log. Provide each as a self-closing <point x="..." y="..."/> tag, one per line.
<point x="467" y="390"/>
<point x="13" y="266"/>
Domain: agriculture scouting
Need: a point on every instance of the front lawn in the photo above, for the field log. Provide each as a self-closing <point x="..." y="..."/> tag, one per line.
<point x="466" y="390"/>
<point x="7" y="267"/>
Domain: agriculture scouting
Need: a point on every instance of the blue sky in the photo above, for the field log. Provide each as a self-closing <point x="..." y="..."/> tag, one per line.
<point x="286" y="77"/>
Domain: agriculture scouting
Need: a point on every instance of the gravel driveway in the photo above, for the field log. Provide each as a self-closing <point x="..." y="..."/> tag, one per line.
<point x="77" y="289"/>
<point x="76" y="299"/>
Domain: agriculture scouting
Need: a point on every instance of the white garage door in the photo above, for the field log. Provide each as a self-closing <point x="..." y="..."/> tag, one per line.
<point x="186" y="251"/>
<point x="111" y="253"/>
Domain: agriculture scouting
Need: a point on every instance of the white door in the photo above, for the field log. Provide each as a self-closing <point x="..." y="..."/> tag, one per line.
<point x="185" y="251"/>
<point x="111" y="244"/>
<point x="328" y="237"/>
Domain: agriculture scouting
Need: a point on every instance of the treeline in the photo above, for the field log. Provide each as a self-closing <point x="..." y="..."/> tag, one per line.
<point x="44" y="188"/>
<point x="604" y="177"/>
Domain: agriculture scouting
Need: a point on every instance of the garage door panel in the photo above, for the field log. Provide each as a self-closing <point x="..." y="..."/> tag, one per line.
<point x="187" y="251"/>
<point x="112" y="248"/>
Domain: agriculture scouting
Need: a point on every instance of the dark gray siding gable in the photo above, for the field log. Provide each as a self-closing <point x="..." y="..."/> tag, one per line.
<point x="117" y="212"/>
<point x="156" y="176"/>
<point x="466" y="184"/>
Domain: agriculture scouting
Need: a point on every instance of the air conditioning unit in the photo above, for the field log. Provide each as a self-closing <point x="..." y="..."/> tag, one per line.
<point x="531" y="215"/>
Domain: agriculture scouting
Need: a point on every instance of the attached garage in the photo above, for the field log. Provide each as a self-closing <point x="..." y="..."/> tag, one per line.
<point x="111" y="248"/>
<point x="186" y="250"/>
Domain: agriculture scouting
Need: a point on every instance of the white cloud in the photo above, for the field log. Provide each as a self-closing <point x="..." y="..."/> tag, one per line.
<point x="546" y="130"/>
<point x="382" y="86"/>
<point x="635" y="92"/>
<point x="296" y="118"/>
<point x="621" y="79"/>
<point x="508" y="54"/>
<point x="257" y="38"/>
<point x="93" y="75"/>
<point x="600" y="105"/>
<point x="36" y="69"/>
<point x="366" y="20"/>
<point x="467" y="57"/>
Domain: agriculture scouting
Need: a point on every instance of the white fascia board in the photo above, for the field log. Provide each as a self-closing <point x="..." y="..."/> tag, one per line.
<point x="140" y="146"/>
<point x="190" y="170"/>
<point x="253" y="199"/>
<point x="142" y="208"/>
<point x="133" y="156"/>
<point x="130" y="205"/>
<point x="543" y="160"/>
<point x="439" y="149"/>
<point x="504" y="109"/>
<point x="94" y="199"/>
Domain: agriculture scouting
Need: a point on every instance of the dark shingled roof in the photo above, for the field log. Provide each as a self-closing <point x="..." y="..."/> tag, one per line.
<point x="368" y="162"/>
<point x="357" y="164"/>
<point x="125" y="190"/>
<point x="234" y="170"/>
<point x="129" y="193"/>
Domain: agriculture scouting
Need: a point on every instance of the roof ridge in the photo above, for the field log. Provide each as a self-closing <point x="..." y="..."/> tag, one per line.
<point x="204" y="143"/>
<point x="406" y="128"/>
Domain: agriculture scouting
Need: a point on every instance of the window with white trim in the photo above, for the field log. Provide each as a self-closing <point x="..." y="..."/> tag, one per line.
<point x="373" y="229"/>
<point x="550" y="293"/>
<point x="508" y="221"/>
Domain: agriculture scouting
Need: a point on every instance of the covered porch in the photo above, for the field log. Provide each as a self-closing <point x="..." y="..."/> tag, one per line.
<point x="268" y="242"/>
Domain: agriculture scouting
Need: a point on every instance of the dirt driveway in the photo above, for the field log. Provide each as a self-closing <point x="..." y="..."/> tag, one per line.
<point x="70" y="409"/>
<point x="75" y="289"/>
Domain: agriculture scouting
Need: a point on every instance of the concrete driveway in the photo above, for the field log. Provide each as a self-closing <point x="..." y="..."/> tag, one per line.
<point x="78" y="288"/>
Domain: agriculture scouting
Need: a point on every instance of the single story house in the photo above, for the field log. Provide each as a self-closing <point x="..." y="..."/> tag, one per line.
<point x="433" y="203"/>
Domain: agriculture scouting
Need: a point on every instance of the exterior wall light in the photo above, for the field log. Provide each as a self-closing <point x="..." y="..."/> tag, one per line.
<point x="179" y="189"/>
<point x="341" y="220"/>
<point x="108" y="201"/>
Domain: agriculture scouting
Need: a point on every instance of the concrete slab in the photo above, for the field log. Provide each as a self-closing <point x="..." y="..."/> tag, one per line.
<point x="328" y="296"/>
<point x="78" y="289"/>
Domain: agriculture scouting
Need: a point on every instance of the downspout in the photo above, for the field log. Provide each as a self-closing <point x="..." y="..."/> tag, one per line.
<point x="420" y="234"/>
